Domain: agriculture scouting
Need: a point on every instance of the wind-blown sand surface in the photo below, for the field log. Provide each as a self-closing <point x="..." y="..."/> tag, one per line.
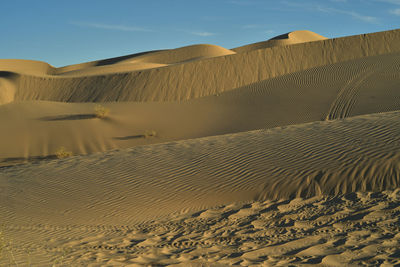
<point x="281" y="152"/>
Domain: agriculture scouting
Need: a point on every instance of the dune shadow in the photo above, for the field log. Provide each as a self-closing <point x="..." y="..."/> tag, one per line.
<point x="68" y="117"/>
<point x="130" y="137"/>
<point x="281" y="37"/>
<point x="114" y="60"/>
<point x="7" y="74"/>
<point x="9" y="162"/>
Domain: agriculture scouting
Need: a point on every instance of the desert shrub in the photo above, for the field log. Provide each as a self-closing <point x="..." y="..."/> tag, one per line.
<point x="150" y="133"/>
<point x="101" y="112"/>
<point x="61" y="153"/>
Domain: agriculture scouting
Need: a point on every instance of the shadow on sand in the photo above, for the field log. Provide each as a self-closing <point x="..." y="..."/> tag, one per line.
<point x="130" y="137"/>
<point x="9" y="162"/>
<point x="68" y="117"/>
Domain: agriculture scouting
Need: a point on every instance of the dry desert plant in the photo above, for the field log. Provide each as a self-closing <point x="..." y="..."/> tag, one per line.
<point x="150" y="133"/>
<point x="101" y="112"/>
<point x="61" y="153"/>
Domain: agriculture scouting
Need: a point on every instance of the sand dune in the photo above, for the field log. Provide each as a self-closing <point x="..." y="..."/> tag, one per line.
<point x="152" y="182"/>
<point x="275" y="153"/>
<point x="102" y="62"/>
<point x="212" y="75"/>
<point x="362" y="86"/>
<point x="299" y="160"/>
<point x="146" y="61"/>
<point x="185" y="54"/>
<point x="28" y="67"/>
<point x="290" y="38"/>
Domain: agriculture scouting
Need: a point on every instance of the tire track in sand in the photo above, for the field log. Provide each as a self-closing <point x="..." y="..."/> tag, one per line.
<point x="347" y="96"/>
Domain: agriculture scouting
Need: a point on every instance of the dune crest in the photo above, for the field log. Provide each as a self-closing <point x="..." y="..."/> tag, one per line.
<point x="184" y="54"/>
<point x="176" y="82"/>
<point x="28" y="67"/>
<point x="295" y="37"/>
<point x="144" y="61"/>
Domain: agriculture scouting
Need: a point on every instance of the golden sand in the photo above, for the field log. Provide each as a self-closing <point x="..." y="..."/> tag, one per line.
<point x="275" y="153"/>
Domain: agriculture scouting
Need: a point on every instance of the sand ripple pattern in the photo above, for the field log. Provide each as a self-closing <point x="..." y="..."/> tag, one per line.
<point x="360" y="229"/>
<point x="133" y="185"/>
<point x="346" y="97"/>
<point x="317" y="185"/>
<point x="213" y="75"/>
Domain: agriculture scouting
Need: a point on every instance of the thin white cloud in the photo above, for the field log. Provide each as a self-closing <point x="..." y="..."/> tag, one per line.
<point x="353" y="14"/>
<point x="257" y="27"/>
<point x="252" y="26"/>
<point x="394" y="2"/>
<point x="395" y="11"/>
<point x="242" y="2"/>
<point x="203" y="34"/>
<point x="319" y="8"/>
<point x="113" y="27"/>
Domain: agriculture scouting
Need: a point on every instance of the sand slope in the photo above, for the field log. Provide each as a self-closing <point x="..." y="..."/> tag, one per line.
<point x="203" y="77"/>
<point x="290" y="38"/>
<point x="277" y="153"/>
<point x="145" y="60"/>
<point x="150" y="182"/>
<point x="358" y="153"/>
<point x="362" y="86"/>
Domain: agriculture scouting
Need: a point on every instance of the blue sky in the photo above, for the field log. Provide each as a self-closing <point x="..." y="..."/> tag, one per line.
<point x="69" y="32"/>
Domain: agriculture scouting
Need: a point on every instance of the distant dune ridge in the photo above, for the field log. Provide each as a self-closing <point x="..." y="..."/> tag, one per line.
<point x="213" y="75"/>
<point x="282" y="40"/>
<point x="178" y="153"/>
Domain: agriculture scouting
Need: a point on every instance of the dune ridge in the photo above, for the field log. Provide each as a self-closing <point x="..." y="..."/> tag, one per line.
<point x="290" y="38"/>
<point x="213" y="75"/>
<point x="37" y="129"/>
<point x="154" y="59"/>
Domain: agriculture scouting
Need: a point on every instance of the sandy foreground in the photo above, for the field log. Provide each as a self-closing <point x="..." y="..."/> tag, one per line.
<point x="283" y="152"/>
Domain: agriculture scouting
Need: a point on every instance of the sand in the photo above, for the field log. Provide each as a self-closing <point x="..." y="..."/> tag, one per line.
<point x="275" y="153"/>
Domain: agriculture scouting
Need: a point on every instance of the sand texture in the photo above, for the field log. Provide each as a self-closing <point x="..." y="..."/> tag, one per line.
<point x="281" y="40"/>
<point x="282" y="152"/>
